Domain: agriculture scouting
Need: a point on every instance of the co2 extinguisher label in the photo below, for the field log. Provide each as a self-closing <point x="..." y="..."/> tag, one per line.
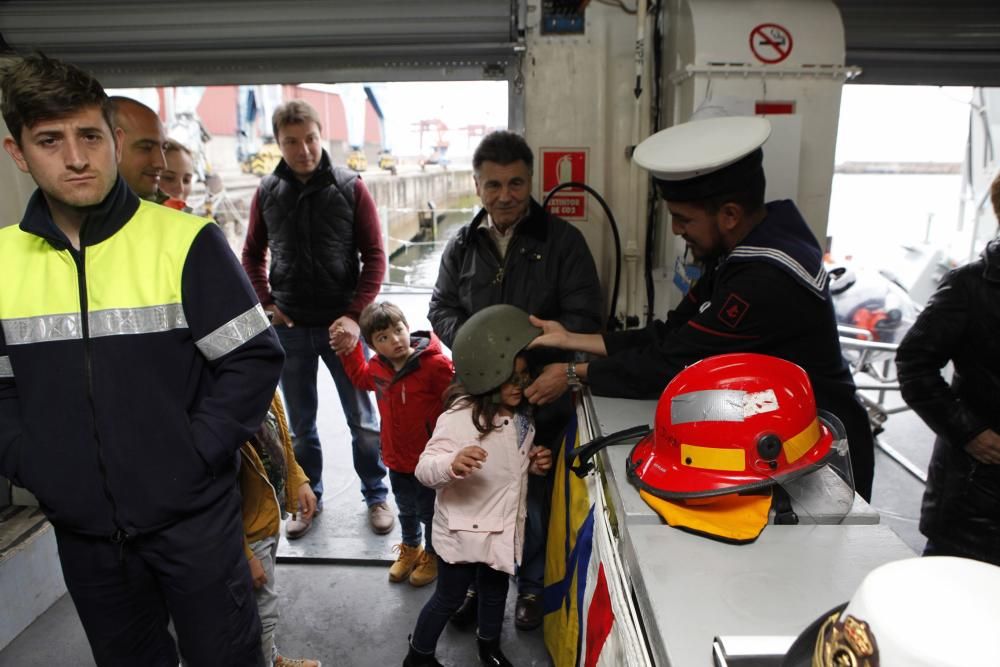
<point x="565" y="165"/>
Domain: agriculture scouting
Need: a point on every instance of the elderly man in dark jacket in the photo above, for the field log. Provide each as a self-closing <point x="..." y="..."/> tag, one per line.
<point x="961" y="508"/>
<point x="514" y="252"/>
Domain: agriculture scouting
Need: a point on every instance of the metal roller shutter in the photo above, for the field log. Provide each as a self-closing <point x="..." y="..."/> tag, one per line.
<point x="934" y="42"/>
<point x="134" y="42"/>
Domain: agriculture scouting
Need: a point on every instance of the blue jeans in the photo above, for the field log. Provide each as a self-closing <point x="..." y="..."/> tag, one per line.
<point x="304" y="347"/>
<point x="452" y="582"/>
<point x="531" y="571"/>
<point x="416" y="506"/>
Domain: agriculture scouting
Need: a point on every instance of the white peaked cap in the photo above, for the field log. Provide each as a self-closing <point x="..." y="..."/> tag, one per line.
<point x="701" y="147"/>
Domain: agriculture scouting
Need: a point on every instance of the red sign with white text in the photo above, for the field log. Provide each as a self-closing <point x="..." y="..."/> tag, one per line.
<point x="565" y="165"/>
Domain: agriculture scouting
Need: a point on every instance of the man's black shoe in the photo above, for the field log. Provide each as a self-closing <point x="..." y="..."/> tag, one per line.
<point x="465" y="617"/>
<point x="528" y="612"/>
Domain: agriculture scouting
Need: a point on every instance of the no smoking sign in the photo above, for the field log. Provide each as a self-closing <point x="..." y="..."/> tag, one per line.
<point x="770" y="43"/>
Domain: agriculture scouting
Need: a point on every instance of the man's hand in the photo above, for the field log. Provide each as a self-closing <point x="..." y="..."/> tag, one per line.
<point x="468" y="460"/>
<point x="344" y="334"/>
<point x="985" y="447"/>
<point x="541" y="460"/>
<point x="554" y="334"/>
<point x="548" y="386"/>
<point x="307" y="501"/>
<point x="257" y="573"/>
<point x="278" y="318"/>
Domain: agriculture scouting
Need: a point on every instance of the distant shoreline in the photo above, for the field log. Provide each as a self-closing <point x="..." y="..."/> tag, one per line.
<point x="898" y="168"/>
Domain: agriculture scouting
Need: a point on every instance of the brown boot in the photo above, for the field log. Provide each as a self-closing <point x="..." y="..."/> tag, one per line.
<point x="407" y="560"/>
<point x="426" y="570"/>
<point x="296" y="662"/>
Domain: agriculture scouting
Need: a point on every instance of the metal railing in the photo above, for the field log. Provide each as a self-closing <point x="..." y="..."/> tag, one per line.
<point x="872" y="363"/>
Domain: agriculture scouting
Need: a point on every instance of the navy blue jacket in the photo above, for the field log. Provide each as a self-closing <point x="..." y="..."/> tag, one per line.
<point x="769" y="295"/>
<point x="131" y="370"/>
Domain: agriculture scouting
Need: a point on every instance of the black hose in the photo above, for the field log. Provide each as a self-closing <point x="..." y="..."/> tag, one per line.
<point x="612" y="320"/>
<point x="587" y="451"/>
<point x="651" y="203"/>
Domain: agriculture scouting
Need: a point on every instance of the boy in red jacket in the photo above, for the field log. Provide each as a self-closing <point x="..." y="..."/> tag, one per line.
<point x="409" y="375"/>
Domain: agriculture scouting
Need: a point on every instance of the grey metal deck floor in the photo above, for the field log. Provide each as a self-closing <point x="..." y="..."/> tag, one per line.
<point x="345" y="615"/>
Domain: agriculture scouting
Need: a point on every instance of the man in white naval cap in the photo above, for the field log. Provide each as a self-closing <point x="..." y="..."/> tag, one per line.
<point x="764" y="288"/>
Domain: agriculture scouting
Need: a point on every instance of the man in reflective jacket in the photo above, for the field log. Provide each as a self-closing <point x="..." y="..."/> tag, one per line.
<point x="135" y="360"/>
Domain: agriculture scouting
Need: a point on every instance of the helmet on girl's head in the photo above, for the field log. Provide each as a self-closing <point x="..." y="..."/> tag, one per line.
<point x="729" y="424"/>
<point x="487" y="344"/>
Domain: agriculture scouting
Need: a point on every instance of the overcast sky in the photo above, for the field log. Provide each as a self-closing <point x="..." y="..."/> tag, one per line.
<point x="906" y="123"/>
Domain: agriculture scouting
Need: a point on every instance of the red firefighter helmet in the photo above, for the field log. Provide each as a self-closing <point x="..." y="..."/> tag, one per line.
<point x="731" y="424"/>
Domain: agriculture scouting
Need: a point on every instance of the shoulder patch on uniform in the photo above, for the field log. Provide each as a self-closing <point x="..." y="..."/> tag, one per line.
<point x="733" y="310"/>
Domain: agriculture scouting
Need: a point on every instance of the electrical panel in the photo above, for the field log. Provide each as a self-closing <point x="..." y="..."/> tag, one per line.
<point x="562" y="17"/>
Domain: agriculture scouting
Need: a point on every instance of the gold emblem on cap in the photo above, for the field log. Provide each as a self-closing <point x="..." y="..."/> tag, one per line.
<point x="845" y="644"/>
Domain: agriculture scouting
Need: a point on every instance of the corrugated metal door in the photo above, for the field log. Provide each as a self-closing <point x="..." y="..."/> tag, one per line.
<point x="935" y="42"/>
<point x="136" y="42"/>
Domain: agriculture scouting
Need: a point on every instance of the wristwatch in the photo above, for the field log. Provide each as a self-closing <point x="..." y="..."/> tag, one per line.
<point x="572" y="379"/>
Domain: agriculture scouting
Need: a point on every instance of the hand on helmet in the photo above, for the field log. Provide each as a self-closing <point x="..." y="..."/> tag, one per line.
<point x="468" y="460"/>
<point x="554" y="334"/>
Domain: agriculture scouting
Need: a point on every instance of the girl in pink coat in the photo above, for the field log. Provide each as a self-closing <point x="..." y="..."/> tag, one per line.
<point x="478" y="460"/>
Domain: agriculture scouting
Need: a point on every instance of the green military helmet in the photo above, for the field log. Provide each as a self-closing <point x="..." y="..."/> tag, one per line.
<point x="487" y="344"/>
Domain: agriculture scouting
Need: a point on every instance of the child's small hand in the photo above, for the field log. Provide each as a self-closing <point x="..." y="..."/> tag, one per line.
<point x="468" y="460"/>
<point x="257" y="572"/>
<point x="541" y="460"/>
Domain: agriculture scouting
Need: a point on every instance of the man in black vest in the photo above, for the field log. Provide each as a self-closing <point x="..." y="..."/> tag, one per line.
<point x="316" y="220"/>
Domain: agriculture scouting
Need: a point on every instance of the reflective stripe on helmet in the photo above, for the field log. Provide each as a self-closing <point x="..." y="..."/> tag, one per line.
<point x="713" y="458"/>
<point x="800" y="443"/>
<point x="720" y="405"/>
<point x="734" y="459"/>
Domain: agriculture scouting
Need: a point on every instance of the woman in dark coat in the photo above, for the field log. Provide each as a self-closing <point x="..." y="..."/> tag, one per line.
<point x="960" y="514"/>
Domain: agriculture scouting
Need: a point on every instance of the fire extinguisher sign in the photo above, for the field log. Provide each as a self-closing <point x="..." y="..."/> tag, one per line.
<point x="565" y="165"/>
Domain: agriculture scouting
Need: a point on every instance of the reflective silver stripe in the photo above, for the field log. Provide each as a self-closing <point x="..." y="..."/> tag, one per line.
<point x="110" y="322"/>
<point x="124" y="321"/>
<point x="720" y="405"/>
<point x="234" y="333"/>
<point x="42" y="329"/>
<point x="6" y="370"/>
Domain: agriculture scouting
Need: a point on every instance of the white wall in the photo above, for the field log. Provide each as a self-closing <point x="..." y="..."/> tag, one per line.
<point x="578" y="94"/>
